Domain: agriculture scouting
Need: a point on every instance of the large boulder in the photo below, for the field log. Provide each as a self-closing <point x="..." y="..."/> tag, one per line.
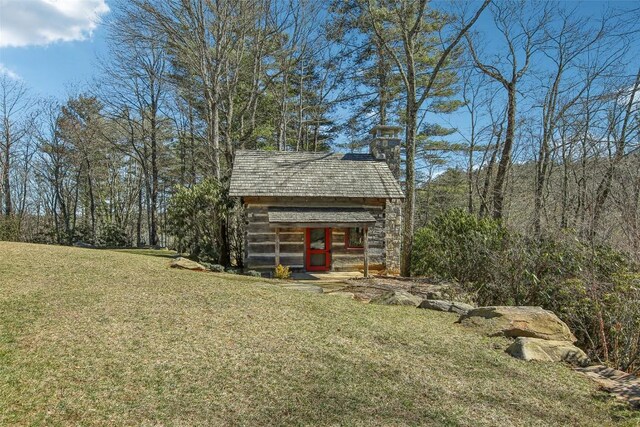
<point x="397" y="298"/>
<point x="187" y="264"/>
<point x="533" y="322"/>
<point x="547" y="351"/>
<point x="448" y="306"/>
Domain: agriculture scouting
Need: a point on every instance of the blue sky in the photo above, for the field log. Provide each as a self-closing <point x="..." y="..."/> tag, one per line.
<point x="53" y="45"/>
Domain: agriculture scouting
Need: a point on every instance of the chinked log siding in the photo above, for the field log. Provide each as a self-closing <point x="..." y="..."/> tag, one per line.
<point x="260" y="238"/>
<point x="268" y="248"/>
<point x="266" y="262"/>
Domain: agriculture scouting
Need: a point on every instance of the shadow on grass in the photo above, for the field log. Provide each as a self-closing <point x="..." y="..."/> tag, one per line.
<point x="160" y="253"/>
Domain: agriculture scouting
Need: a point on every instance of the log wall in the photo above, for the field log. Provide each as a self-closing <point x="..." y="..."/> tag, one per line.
<point x="260" y="239"/>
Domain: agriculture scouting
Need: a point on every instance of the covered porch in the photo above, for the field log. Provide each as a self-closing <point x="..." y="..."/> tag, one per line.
<point x="319" y="225"/>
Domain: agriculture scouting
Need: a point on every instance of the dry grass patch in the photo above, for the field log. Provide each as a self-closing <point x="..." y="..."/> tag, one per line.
<point x="105" y="338"/>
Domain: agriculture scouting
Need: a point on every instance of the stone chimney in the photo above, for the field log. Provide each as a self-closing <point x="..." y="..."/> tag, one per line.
<point x="385" y="145"/>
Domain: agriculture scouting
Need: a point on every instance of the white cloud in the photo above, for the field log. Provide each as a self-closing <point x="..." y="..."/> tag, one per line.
<point x="41" y="22"/>
<point x="4" y="71"/>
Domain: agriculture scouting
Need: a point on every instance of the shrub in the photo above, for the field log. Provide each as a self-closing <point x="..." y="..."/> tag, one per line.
<point x="82" y="233"/>
<point x="458" y="246"/>
<point x="282" y="272"/>
<point x="593" y="288"/>
<point x="216" y="267"/>
<point x="253" y="273"/>
<point x="197" y="217"/>
<point x="9" y="228"/>
<point x="212" y="267"/>
<point x="112" y="235"/>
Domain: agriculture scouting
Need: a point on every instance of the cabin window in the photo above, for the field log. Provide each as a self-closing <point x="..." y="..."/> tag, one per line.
<point x="354" y="238"/>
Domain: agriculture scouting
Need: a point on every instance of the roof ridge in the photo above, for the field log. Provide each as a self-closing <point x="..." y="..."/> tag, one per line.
<point x="246" y="150"/>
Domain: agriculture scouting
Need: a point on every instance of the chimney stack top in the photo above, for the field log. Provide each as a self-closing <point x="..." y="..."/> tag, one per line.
<point x="385" y="145"/>
<point x="386" y="132"/>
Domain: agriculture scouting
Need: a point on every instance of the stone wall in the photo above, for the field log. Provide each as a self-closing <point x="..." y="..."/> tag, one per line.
<point x="387" y="149"/>
<point x="393" y="235"/>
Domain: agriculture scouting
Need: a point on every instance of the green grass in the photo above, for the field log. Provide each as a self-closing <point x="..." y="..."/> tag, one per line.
<point x="95" y="337"/>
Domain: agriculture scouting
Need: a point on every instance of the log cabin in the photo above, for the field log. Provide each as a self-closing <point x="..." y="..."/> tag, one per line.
<point x="321" y="211"/>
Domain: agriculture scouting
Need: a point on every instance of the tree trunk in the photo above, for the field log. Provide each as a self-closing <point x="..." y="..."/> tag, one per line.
<point x="225" y="255"/>
<point x="153" y="208"/>
<point x="566" y="163"/>
<point x="6" y="171"/>
<point x="139" y="217"/>
<point x="472" y="143"/>
<point x="300" y="106"/>
<point x="383" y="70"/>
<point x="282" y="130"/>
<point x="541" y="174"/>
<point x="505" y="158"/>
<point x="410" y="192"/>
<point x="92" y="202"/>
<point x="192" y="147"/>
<point x="484" y="205"/>
<point x="215" y="138"/>
<point x="544" y="153"/>
<point x="6" y="182"/>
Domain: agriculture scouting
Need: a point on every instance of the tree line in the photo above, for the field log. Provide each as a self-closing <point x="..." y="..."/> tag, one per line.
<point x="486" y="89"/>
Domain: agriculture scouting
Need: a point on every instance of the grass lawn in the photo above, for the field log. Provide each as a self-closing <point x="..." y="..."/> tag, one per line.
<point x="96" y="337"/>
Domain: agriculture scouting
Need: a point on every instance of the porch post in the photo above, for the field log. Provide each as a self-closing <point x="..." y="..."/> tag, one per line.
<point x="277" y="249"/>
<point x="366" y="251"/>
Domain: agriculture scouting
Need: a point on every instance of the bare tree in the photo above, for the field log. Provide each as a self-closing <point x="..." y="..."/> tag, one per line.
<point x="402" y="29"/>
<point x="566" y="45"/>
<point x="523" y="36"/>
<point x="135" y="90"/>
<point x="55" y="170"/>
<point x="622" y="125"/>
<point x="14" y="111"/>
<point x="199" y="37"/>
<point x="477" y="103"/>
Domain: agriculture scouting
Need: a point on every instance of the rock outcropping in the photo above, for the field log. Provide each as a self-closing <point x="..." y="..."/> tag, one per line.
<point x="532" y="322"/>
<point x="547" y="351"/>
<point x="187" y="264"/>
<point x="448" y="306"/>
<point x="623" y="386"/>
<point x="397" y="298"/>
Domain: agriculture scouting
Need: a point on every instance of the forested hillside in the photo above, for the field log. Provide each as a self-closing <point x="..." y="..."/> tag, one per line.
<point x="530" y="108"/>
<point x="569" y="200"/>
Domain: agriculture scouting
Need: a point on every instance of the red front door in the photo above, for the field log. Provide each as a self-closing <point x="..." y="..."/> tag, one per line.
<point x="318" y="249"/>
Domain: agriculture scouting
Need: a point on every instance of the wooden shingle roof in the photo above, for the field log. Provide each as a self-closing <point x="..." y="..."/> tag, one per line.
<point x="303" y="174"/>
